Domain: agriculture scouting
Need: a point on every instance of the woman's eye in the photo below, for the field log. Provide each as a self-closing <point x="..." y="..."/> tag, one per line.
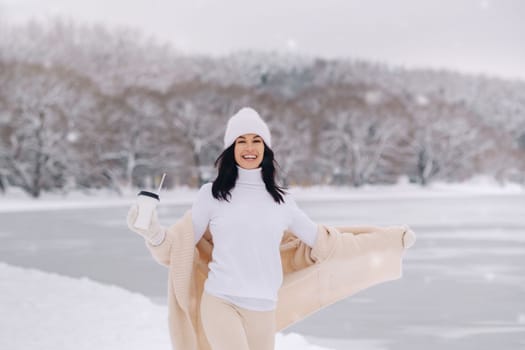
<point x="258" y="141"/>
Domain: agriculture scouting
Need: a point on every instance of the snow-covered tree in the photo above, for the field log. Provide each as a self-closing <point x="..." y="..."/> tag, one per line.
<point x="357" y="138"/>
<point x="445" y="141"/>
<point x="131" y="137"/>
<point x="195" y="115"/>
<point x="36" y="124"/>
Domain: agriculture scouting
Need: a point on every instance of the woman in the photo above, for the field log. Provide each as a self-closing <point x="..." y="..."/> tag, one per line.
<point x="246" y="212"/>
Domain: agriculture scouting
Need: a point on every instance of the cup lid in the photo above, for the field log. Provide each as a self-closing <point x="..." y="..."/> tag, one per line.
<point x="149" y="194"/>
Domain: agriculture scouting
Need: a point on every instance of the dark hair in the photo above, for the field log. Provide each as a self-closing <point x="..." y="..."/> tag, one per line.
<point x="227" y="174"/>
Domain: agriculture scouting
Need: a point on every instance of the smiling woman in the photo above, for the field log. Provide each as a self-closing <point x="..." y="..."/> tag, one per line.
<point x="243" y="216"/>
<point x="247" y="213"/>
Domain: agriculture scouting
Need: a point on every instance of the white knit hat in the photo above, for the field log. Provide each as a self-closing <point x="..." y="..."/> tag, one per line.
<point x="246" y="121"/>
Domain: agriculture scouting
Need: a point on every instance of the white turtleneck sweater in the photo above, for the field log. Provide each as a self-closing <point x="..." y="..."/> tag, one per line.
<point x="247" y="231"/>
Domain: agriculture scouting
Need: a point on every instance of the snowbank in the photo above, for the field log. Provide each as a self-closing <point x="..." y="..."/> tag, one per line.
<point x="477" y="186"/>
<point x="48" y="311"/>
<point x="15" y="200"/>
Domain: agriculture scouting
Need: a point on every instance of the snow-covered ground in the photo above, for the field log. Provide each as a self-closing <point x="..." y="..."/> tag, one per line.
<point x="72" y="276"/>
<point x="48" y="311"/>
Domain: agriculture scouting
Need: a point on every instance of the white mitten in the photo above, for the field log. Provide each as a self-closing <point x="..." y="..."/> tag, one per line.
<point x="154" y="234"/>
<point x="409" y="237"/>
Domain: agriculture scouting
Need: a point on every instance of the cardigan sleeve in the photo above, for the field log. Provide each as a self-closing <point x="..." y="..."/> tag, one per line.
<point x="178" y="236"/>
<point x="161" y="253"/>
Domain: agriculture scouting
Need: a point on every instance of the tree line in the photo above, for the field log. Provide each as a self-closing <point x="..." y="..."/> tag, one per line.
<point x="87" y="107"/>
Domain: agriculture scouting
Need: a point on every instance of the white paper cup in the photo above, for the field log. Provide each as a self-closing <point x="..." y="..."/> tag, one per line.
<point x="147" y="202"/>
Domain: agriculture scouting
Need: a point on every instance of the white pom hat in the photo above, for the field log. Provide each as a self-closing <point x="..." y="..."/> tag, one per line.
<point x="246" y="121"/>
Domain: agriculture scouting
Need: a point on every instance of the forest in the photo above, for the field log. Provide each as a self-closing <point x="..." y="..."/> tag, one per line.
<point x="87" y="107"/>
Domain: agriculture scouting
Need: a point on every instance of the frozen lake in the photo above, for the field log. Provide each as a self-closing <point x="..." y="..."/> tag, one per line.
<point x="463" y="285"/>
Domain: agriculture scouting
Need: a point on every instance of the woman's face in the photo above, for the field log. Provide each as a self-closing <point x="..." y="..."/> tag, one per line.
<point x="249" y="151"/>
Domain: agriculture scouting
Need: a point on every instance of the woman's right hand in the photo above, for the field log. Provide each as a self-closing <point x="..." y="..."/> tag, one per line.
<point x="155" y="233"/>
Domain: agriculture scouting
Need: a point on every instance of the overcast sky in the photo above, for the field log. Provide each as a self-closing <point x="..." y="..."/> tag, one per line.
<point x="480" y="36"/>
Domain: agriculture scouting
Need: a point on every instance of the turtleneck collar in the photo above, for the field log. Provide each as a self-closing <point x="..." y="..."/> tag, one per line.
<point x="250" y="176"/>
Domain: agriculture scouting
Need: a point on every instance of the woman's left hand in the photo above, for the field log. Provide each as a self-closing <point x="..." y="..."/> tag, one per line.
<point x="409" y="237"/>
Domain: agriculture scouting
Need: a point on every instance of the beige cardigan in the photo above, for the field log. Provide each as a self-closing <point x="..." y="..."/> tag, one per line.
<point x="343" y="261"/>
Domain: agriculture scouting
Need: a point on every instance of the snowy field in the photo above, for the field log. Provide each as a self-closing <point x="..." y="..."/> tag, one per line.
<point x="73" y="277"/>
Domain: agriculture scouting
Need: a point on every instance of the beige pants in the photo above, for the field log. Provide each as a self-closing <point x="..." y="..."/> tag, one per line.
<point x="230" y="327"/>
